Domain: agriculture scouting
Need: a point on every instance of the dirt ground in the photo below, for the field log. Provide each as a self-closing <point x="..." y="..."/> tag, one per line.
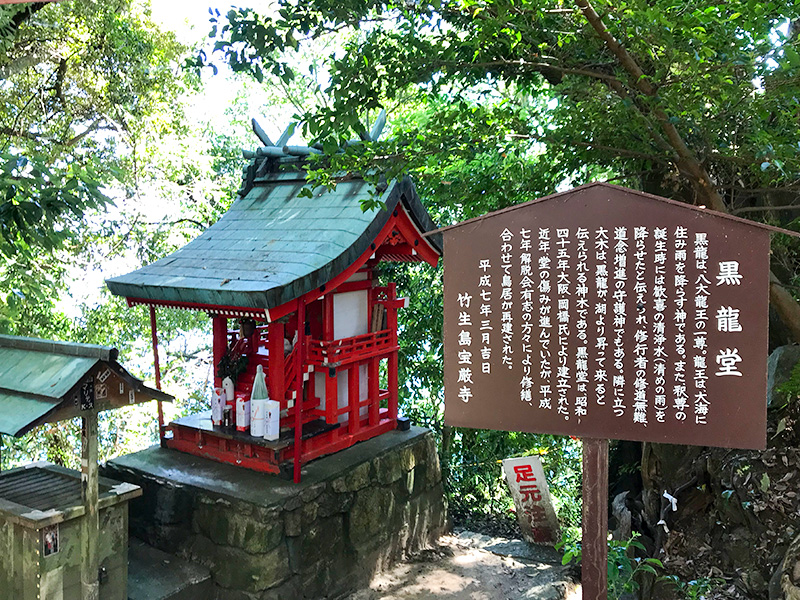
<point x="471" y="566"/>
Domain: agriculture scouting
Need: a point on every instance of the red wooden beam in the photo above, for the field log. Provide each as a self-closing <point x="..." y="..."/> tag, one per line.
<point x="219" y="327"/>
<point x="391" y="314"/>
<point x="298" y="401"/>
<point x="353" y="395"/>
<point x="231" y="312"/>
<point x="353" y="286"/>
<point x="331" y="397"/>
<point x="276" y="366"/>
<point x="414" y="237"/>
<point x="374" y="390"/>
<point x="154" y="339"/>
<point x="400" y="221"/>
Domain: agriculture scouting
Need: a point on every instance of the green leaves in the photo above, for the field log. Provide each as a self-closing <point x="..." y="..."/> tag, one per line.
<point x="41" y="212"/>
<point x="701" y="58"/>
<point x="85" y="86"/>
<point x="41" y="203"/>
<point x="628" y="565"/>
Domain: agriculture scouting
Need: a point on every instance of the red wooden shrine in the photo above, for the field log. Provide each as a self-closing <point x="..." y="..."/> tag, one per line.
<point x="329" y="343"/>
<point x="344" y="368"/>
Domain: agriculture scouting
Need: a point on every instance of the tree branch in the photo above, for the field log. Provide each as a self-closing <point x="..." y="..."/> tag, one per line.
<point x="593" y="146"/>
<point x="534" y="66"/>
<point x="179" y="221"/>
<point x="787" y="307"/>
<point x="753" y="209"/>
<point x="686" y="161"/>
<point x="93" y="127"/>
<point x="622" y="92"/>
<point x="11" y="132"/>
<point x="31" y="9"/>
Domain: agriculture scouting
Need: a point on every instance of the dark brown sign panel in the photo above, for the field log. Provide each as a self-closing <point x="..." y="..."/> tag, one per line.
<point x="608" y="313"/>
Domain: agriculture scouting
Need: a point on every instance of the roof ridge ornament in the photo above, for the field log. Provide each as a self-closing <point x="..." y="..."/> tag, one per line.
<point x="286" y="135"/>
<point x="281" y="148"/>
<point x="377" y="127"/>
<point x="260" y="133"/>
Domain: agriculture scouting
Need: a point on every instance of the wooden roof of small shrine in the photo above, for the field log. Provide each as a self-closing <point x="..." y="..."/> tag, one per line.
<point x="275" y="243"/>
<point x="43" y="381"/>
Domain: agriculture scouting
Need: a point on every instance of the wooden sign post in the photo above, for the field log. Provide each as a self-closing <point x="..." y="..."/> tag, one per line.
<point x="594" y="528"/>
<point x="606" y="313"/>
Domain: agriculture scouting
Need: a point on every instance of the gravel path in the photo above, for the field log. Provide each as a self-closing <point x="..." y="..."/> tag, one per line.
<point x="471" y="566"/>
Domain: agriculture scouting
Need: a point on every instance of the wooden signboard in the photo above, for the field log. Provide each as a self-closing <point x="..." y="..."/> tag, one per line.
<point x="608" y="313"/>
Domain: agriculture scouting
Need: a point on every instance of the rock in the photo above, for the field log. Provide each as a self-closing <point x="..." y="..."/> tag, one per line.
<point x="357" y="479"/>
<point x="290" y="589"/>
<point x="312" y="492"/>
<point x="331" y="503"/>
<point x="371" y="509"/>
<point x="409" y="487"/>
<point x="779" y="370"/>
<point x="237" y="570"/>
<point x="235" y="526"/>
<point x="263" y="538"/>
<point x="293" y="521"/>
<point x="408" y="458"/>
<point x="318" y="541"/>
<point x="389" y="468"/>
<point x="790" y="572"/>
<point x="623" y="517"/>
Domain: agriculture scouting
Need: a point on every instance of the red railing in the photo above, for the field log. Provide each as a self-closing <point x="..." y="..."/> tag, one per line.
<point x="349" y="350"/>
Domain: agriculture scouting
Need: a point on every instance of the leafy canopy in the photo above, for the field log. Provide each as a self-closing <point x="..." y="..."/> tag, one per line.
<point x="664" y="94"/>
<point x="494" y="102"/>
<point x="81" y="85"/>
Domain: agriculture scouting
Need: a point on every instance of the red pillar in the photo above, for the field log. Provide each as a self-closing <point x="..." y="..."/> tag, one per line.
<point x="374" y="390"/>
<point x="276" y="365"/>
<point x="391" y="319"/>
<point x="300" y="357"/>
<point x="154" y="338"/>
<point x="331" y="383"/>
<point x="327" y="317"/>
<point x="353" y="395"/>
<point x="331" y="397"/>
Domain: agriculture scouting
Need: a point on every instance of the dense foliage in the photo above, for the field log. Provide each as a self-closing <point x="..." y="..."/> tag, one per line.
<point x="693" y="101"/>
<point x="99" y="172"/>
<point x="83" y="83"/>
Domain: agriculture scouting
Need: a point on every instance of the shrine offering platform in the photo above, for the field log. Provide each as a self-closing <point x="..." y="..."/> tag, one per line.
<point x="266" y="538"/>
<point x="197" y="435"/>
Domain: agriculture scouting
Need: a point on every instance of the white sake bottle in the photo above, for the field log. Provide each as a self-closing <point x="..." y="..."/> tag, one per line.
<point x="258" y="404"/>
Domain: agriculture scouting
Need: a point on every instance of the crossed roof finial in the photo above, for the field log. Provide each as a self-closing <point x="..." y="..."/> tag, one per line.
<point x="282" y="149"/>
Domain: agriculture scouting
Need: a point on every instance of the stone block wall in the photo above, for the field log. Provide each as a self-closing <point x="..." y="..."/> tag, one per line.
<point x="323" y="538"/>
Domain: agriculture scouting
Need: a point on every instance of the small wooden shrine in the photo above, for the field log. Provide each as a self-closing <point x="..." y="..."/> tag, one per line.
<point x="51" y="518"/>
<point x="290" y="283"/>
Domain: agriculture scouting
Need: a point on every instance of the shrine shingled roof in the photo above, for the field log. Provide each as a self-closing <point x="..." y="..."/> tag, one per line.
<point x="273" y="244"/>
<point x="39" y="381"/>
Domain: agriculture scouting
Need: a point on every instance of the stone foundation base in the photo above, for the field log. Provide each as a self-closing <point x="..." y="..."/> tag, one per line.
<point x="265" y="538"/>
